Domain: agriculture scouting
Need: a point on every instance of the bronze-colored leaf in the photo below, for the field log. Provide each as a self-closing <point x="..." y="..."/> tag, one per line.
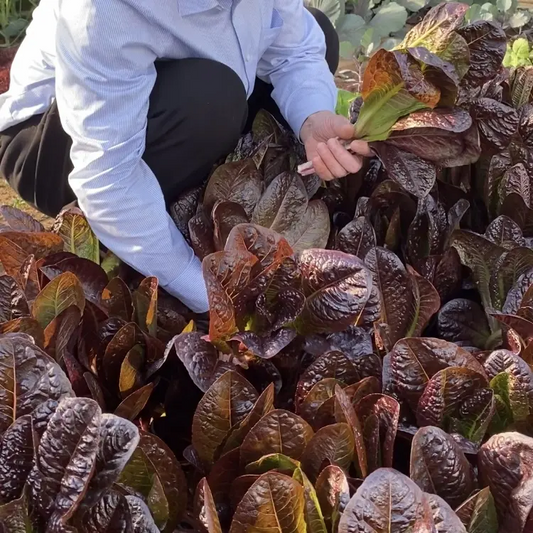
<point x="238" y="182"/>
<point x="263" y="406"/>
<point x="332" y="444"/>
<point x="153" y="459"/>
<point x="278" y="431"/>
<point x="387" y="501"/>
<point x="227" y="403"/>
<point x="145" y="301"/>
<point x="131" y="406"/>
<point x="275" y="502"/>
<point x="333" y="493"/>
<point x="116" y="298"/>
<point x="58" y="295"/>
<point x="205" y="509"/>
<point x="73" y="228"/>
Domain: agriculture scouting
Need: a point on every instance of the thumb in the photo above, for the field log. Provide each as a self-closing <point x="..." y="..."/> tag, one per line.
<point x="343" y="128"/>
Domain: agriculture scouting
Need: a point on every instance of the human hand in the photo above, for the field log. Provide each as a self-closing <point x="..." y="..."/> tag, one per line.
<point x="323" y="134"/>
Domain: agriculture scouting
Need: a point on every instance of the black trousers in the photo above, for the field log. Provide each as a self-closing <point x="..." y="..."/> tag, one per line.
<point x="198" y="110"/>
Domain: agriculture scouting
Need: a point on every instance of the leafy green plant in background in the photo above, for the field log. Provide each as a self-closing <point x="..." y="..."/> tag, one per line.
<point x="519" y="54"/>
<point x="367" y="25"/>
<point x="14" y="19"/>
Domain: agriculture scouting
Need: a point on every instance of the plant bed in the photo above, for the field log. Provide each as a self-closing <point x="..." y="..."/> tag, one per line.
<point x="366" y="364"/>
<point x="6" y="58"/>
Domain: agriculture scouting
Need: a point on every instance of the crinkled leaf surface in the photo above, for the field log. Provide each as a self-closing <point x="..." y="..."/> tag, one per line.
<point x="110" y="515"/>
<point x="331" y="365"/>
<point x="379" y="416"/>
<point x="224" y="405"/>
<point x="283" y="203"/>
<point x="16" y="458"/>
<point x="505" y="465"/>
<point x="13" y="302"/>
<point x="497" y="123"/>
<point x="439" y="466"/>
<point x="279" y="431"/>
<point x="312" y="229"/>
<point x="263" y="406"/>
<point x="357" y="237"/>
<point x="443" y="516"/>
<point x="387" y="501"/>
<point x="92" y="277"/>
<point x="238" y="182"/>
<point x="226" y="215"/>
<point x="225" y="273"/>
<point x="118" y="440"/>
<point x="333" y="493"/>
<point x="444" y="394"/>
<point x="414" y="174"/>
<point x="415" y="361"/>
<point x="433" y="135"/>
<point x="337" y="287"/>
<point x="199" y="357"/>
<point x="154" y="472"/>
<point x="15" y="517"/>
<point x="29" y="377"/>
<point x="65" y="458"/>
<point x="480" y="255"/>
<point x="275" y="502"/>
<point x="487" y="44"/>
<point x="463" y="322"/>
<point x="333" y="444"/>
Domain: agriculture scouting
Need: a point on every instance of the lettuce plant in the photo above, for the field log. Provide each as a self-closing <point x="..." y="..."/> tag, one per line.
<point x="366" y="364"/>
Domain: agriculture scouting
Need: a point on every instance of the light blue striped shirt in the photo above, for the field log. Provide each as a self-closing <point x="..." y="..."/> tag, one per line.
<point x="96" y="57"/>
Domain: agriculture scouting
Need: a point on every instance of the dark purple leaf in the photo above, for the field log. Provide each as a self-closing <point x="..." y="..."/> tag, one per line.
<point x="65" y="459"/>
<point x="238" y="182"/>
<point x="497" y="124"/>
<point x="34" y="378"/>
<point x="445" y="393"/>
<point x="387" y="501"/>
<point x="487" y="44"/>
<point x="226" y="215"/>
<point x="357" y="237"/>
<point x="505" y="465"/>
<point x="13" y="302"/>
<point x="415" y="361"/>
<point x="379" y="416"/>
<point x="439" y="466"/>
<point x="16" y="458"/>
<point x="463" y="322"/>
<point x="337" y="287"/>
<point x="417" y="176"/>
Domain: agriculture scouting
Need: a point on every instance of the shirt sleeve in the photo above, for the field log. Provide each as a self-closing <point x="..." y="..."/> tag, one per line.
<point x="103" y="84"/>
<point x="295" y="65"/>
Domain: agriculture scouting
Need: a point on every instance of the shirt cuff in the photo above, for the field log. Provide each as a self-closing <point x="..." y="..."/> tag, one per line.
<point x="189" y="287"/>
<point x="304" y="103"/>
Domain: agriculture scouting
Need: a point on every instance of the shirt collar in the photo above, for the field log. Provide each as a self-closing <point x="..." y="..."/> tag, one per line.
<point x="191" y="7"/>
